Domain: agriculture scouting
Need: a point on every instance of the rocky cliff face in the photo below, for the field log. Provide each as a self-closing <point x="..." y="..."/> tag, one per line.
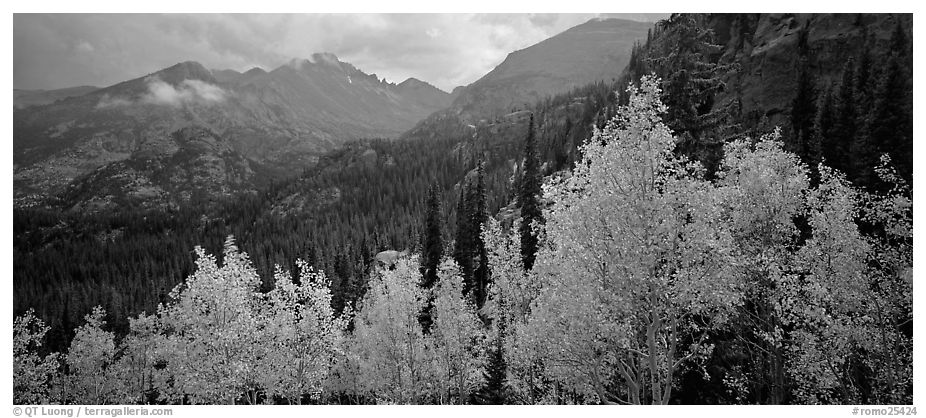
<point x="283" y="118"/>
<point x="769" y="49"/>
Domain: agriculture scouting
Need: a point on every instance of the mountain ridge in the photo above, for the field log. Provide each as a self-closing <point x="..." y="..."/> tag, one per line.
<point x="524" y="78"/>
<point x="284" y="118"/>
<point x="288" y="116"/>
<point x="23" y="98"/>
<point x="597" y="50"/>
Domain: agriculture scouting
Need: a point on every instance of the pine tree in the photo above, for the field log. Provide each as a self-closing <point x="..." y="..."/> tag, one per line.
<point x="898" y="42"/>
<point x="682" y="59"/>
<point x="433" y="249"/>
<point x="862" y="79"/>
<point x="495" y="392"/>
<point x="844" y="125"/>
<point x="463" y="242"/>
<point x="803" y="110"/>
<point x="528" y="196"/>
<point x="823" y="130"/>
<point x="891" y="120"/>
<point x="863" y="150"/>
<point x="433" y="245"/>
<point x="479" y="216"/>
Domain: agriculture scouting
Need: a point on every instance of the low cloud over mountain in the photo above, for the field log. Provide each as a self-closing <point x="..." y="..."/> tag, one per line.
<point x="162" y="93"/>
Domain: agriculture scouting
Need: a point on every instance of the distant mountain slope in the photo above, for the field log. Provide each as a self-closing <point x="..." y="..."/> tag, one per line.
<point x="597" y="50"/>
<point x="283" y="118"/>
<point x="191" y="164"/>
<point x="25" y="98"/>
<point x="593" y="51"/>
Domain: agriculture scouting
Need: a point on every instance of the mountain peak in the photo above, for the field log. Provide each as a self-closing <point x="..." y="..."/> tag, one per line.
<point x="226" y="75"/>
<point x="255" y="71"/>
<point x="295" y="63"/>
<point x="184" y="71"/>
<point x="326" y="58"/>
<point x="190" y="66"/>
<point x="413" y="82"/>
<point x="598" y="22"/>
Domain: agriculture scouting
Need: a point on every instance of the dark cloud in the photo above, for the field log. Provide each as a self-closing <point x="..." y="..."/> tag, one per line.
<point x="54" y="51"/>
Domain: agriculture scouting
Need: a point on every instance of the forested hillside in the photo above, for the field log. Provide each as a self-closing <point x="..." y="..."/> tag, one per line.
<point x="678" y="241"/>
<point x="641" y="281"/>
<point x="364" y="198"/>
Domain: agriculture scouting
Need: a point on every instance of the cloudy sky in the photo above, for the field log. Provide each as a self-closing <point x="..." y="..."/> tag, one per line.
<point x="447" y="50"/>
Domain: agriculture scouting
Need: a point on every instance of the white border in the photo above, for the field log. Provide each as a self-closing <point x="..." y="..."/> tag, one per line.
<point x="572" y="6"/>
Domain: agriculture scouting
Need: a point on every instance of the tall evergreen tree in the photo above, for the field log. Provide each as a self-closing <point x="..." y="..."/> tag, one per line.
<point x="891" y="120"/>
<point x="803" y="111"/>
<point x="433" y="245"/>
<point x="862" y="79"/>
<point x="862" y="150"/>
<point x="898" y="42"/>
<point x="528" y="198"/>
<point x="823" y="129"/>
<point x="469" y="249"/>
<point x="479" y="216"/>
<point x="844" y="125"/>
<point x="463" y="241"/>
<point x="683" y="60"/>
<point x="432" y="251"/>
<point x="494" y="392"/>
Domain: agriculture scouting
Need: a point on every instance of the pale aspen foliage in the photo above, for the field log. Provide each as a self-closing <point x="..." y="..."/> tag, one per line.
<point x="457" y="341"/>
<point x="33" y="374"/>
<point x="639" y="266"/>
<point x="391" y="352"/>
<point x="90" y="360"/>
